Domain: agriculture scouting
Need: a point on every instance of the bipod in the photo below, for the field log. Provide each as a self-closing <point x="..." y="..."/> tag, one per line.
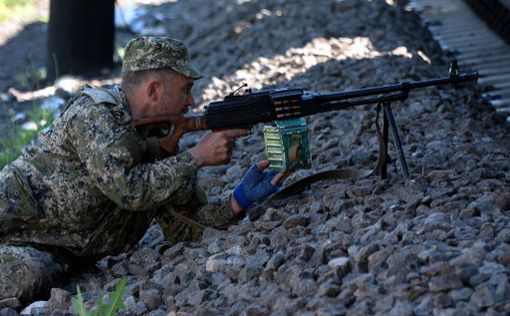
<point x="389" y="121"/>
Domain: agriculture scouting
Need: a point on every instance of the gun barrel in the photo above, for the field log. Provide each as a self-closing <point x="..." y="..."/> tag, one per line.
<point x="400" y="87"/>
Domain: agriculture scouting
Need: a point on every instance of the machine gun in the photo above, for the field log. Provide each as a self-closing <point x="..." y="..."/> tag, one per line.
<point x="287" y="144"/>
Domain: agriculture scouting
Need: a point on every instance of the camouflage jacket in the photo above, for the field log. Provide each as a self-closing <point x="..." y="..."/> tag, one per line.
<point x="82" y="184"/>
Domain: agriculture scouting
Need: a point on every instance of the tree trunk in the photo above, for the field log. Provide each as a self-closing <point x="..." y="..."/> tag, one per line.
<point x="80" y="37"/>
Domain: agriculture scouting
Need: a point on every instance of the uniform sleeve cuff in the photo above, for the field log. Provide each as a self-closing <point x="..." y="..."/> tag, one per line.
<point x="186" y="157"/>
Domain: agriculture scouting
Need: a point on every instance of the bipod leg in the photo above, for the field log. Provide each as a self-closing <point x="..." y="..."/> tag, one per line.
<point x="388" y="117"/>
<point x="382" y="161"/>
<point x="384" y="167"/>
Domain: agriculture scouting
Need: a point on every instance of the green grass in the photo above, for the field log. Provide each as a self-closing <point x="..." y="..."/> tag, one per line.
<point x="17" y="138"/>
<point x="110" y="308"/>
<point x="16" y="8"/>
<point x="31" y="78"/>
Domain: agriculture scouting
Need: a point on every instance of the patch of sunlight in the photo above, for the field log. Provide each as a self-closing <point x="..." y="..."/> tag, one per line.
<point x="297" y="61"/>
<point x="13" y="9"/>
<point x="424" y="57"/>
<point x="16" y="14"/>
<point x="401" y="51"/>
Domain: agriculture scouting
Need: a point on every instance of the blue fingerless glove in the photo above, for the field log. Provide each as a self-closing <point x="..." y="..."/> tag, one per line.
<point x="255" y="185"/>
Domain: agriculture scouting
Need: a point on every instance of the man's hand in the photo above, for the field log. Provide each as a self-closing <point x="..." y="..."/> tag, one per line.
<point x="216" y="148"/>
<point x="256" y="185"/>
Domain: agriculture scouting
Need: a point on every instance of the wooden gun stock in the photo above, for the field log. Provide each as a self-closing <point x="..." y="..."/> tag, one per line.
<point x="178" y="126"/>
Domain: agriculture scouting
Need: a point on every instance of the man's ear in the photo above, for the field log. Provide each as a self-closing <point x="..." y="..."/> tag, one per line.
<point x="154" y="90"/>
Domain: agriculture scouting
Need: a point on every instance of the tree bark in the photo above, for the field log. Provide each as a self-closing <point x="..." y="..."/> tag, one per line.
<point x="80" y="37"/>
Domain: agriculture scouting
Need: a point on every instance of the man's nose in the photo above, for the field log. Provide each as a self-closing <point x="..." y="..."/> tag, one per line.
<point x="190" y="101"/>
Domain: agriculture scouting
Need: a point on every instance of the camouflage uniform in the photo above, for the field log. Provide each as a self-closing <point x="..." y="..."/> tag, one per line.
<point x="82" y="190"/>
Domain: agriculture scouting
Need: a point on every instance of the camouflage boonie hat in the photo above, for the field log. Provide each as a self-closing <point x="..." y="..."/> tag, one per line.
<point x="146" y="53"/>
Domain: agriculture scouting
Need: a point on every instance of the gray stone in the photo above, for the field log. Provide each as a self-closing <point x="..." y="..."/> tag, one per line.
<point x="11" y="302"/>
<point x="255" y="310"/>
<point x="494" y="291"/>
<point x="215" y="246"/>
<point x="296" y="220"/>
<point x="278" y="238"/>
<point x="151" y="298"/>
<point x="503" y="236"/>
<point x="249" y="273"/>
<point x="469" y="212"/>
<point x="436" y="221"/>
<point x="130" y="302"/>
<point x="341" y="265"/>
<point x="59" y="299"/>
<point x="174" y="251"/>
<point x="425" y="305"/>
<point x="462" y="294"/>
<point x="157" y="312"/>
<point x="196" y="298"/>
<point x="402" y="308"/>
<point x="182" y="297"/>
<point x="450" y="312"/>
<point x="37" y="307"/>
<point x="306" y="252"/>
<point x="384" y="304"/>
<point x="275" y="261"/>
<point x="139" y="308"/>
<point x="377" y="261"/>
<point x="442" y="300"/>
<point x="257" y="238"/>
<point x="259" y="259"/>
<point x="328" y="289"/>
<point x="337" y="309"/>
<point x="444" y="283"/>
<point x="165" y="276"/>
<point x="39" y="311"/>
<point x="224" y="263"/>
<point x="303" y="287"/>
<point x="401" y="262"/>
<point x="234" y="240"/>
<point x="7" y="311"/>
<point x="340" y="262"/>
<point x="120" y="269"/>
<point x="361" y="257"/>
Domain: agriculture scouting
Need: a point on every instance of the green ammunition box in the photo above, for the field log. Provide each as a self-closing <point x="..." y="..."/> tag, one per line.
<point x="287" y="144"/>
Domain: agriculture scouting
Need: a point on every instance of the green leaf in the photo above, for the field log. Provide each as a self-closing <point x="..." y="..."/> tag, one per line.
<point x="116" y="302"/>
<point x="78" y="305"/>
<point x="100" y="307"/>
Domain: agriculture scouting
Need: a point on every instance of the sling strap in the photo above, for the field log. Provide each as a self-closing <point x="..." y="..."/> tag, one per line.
<point x="183" y="218"/>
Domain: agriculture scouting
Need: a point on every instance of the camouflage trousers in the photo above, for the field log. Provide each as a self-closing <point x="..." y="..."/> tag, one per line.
<point x="27" y="273"/>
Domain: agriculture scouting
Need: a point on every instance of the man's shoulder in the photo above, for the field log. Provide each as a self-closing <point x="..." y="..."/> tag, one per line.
<point x="108" y="101"/>
<point x="101" y="95"/>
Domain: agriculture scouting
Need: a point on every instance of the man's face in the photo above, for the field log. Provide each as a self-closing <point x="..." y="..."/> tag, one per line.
<point x="177" y="96"/>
